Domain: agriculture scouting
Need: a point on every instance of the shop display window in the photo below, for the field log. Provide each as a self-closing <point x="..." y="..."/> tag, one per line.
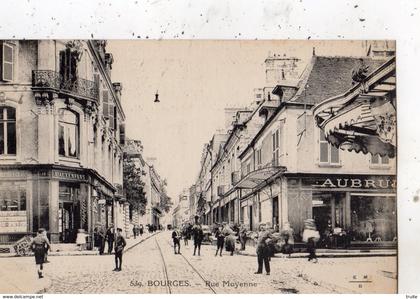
<point x="373" y="218"/>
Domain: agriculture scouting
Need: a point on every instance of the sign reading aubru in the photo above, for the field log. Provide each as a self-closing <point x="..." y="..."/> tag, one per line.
<point x="359" y="183"/>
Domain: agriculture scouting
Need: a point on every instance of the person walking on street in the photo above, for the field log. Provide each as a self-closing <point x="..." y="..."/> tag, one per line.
<point x="176" y="236"/>
<point x="39" y="245"/>
<point x="263" y="250"/>
<point x="110" y="238"/>
<point x="220" y="237"/>
<point x="134" y="231"/>
<point x="120" y="244"/>
<point x="46" y="248"/>
<point x="243" y="236"/>
<point x="198" y="237"/>
<point x="311" y="237"/>
<point x="141" y="230"/>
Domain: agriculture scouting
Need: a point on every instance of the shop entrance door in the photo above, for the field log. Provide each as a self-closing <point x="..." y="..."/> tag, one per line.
<point x="69" y="213"/>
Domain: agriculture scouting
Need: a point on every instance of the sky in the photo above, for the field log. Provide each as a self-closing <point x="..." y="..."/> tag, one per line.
<point x="195" y="80"/>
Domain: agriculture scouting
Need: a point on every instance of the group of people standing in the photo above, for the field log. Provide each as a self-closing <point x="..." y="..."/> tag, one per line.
<point x="113" y="238"/>
<point x="195" y="231"/>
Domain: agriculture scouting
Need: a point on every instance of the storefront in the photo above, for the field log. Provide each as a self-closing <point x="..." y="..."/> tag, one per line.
<point x="60" y="200"/>
<point x="363" y="207"/>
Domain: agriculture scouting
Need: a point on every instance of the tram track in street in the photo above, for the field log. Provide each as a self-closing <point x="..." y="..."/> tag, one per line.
<point x="190" y="266"/>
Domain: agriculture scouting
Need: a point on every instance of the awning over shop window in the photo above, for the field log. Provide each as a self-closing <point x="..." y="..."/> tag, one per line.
<point x="364" y="118"/>
<point x="257" y="177"/>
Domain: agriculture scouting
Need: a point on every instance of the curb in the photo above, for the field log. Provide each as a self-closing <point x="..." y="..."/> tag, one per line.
<point x="328" y="254"/>
<point x="79" y="253"/>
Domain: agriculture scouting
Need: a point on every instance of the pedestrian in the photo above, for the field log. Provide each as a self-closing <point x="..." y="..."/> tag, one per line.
<point x="101" y="239"/>
<point x="120" y="244"/>
<point x="230" y="239"/>
<point x="198" y="237"/>
<point x="81" y="239"/>
<point x="141" y="229"/>
<point x="311" y="237"/>
<point x="110" y="237"/>
<point x="39" y="245"/>
<point x="263" y="250"/>
<point x="243" y="236"/>
<point x="134" y="231"/>
<point x="185" y="235"/>
<point x="46" y="248"/>
<point x="176" y="236"/>
<point x="220" y="237"/>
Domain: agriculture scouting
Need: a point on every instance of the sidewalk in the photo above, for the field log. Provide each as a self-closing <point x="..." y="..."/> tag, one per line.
<point x="131" y="242"/>
<point x="326" y="253"/>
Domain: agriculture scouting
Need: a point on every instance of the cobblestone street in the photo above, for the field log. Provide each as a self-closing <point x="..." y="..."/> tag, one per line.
<point x="148" y="266"/>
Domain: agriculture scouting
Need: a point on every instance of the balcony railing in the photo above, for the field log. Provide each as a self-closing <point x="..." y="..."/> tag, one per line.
<point x="51" y="80"/>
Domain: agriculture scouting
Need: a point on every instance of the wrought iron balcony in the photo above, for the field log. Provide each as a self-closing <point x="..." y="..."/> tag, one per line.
<point x="52" y="81"/>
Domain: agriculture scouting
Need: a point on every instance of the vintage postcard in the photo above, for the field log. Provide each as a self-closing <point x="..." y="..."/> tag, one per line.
<point x="198" y="166"/>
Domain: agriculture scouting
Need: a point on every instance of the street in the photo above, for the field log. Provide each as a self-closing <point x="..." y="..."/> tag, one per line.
<point x="152" y="267"/>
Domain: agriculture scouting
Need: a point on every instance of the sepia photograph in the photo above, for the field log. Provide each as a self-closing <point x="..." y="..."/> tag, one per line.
<point x="198" y="166"/>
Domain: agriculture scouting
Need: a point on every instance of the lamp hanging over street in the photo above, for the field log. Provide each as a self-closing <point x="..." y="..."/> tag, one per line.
<point x="157" y="97"/>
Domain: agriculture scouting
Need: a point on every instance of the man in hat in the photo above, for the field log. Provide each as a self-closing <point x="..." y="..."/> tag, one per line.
<point x="263" y="250"/>
<point x="120" y="243"/>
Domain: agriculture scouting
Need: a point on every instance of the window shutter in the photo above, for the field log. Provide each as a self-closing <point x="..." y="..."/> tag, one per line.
<point x="122" y="134"/>
<point x="111" y="114"/>
<point x="105" y="104"/>
<point x="6" y="62"/>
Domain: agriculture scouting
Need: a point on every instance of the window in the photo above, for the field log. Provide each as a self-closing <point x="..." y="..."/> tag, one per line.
<point x="276" y="146"/>
<point x="259" y="159"/>
<point x="378" y="160"/>
<point x="327" y="153"/>
<point x="6" y="67"/>
<point x="12" y="199"/>
<point x="68" y="133"/>
<point x="68" y="66"/>
<point x="7" y="131"/>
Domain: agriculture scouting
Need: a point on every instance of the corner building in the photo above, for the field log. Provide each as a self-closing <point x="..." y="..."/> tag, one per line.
<point x="61" y="137"/>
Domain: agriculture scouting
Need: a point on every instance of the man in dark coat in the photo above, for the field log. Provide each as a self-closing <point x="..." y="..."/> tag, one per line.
<point x="263" y="250"/>
<point x="110" y="238"/>
<point x="220" y="237"/>
<point x="176" y="236"/>
<point x="198" y="237"/>
<point x="120" y="243"/>
<point x="39" y="246"/>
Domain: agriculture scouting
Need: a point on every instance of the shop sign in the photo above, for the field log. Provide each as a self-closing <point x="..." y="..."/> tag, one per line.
<point x="13" y="222"/>
<point x="13" y="174"/>
<point x="67" y="175"/>
<point x="359" y="183"/>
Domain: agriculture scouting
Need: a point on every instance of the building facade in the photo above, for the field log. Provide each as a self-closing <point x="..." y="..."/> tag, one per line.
<point x="276" y="166"/>
<point x="62" y="131"/>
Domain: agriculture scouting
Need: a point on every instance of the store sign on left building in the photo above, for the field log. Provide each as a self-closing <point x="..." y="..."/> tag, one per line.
<point x="13" y="222"/>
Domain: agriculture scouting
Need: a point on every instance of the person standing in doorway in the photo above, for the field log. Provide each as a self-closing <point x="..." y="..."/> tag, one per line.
<point x="120" y="244"/>
<point x="176" y="237"/>
<point x="263" y="250"/>
<point x="39" y="246"/>
<point x="101" y="239"/>
<point x="110" y="237"/>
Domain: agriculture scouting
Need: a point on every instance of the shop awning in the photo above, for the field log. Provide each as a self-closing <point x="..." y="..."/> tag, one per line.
<point x="257" y="177"/>
<point x="364" y="118"/>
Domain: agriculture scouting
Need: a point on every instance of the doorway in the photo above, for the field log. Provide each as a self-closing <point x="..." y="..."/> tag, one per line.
<point x="69" y="213"/>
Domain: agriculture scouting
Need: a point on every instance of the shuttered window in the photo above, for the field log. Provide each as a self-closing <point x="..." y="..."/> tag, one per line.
<point x="122" y="134"/>
<point x="276" y="148"/>
<point x="7" y="131"/>
<point x="6" y="56"/>
<point x="105" y="103"/>
<point x="327" y="153"/>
